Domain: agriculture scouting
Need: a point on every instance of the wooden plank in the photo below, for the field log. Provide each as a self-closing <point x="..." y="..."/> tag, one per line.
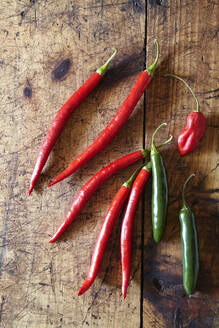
<point x="188" y="35"/>
<point x="39" y="282"/>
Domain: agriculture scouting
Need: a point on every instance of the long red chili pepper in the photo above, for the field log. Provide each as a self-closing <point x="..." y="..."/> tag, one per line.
<point x="93" y="184"/>
<point x="63" y="115"/>
<point x="105" y="232"/>
<point x="116" y="123"/>
<point x="128" y="222"/>
<point x="190" y="136"/>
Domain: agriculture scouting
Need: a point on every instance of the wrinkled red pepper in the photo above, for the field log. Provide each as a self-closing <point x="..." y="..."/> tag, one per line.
<point x="190" y="136"/>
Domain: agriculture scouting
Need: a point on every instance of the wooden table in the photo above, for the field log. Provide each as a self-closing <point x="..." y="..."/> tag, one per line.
<point x="48" y="49"/>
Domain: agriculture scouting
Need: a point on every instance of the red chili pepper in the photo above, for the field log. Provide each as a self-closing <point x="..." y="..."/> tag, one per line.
<point x="105" y="232"/>
<point x="63" y="115"/>
<point x="116" y="123"/>
<point x="189" y="138"/>
<point x="128" y="222"/>
<point x="93" y="184"/>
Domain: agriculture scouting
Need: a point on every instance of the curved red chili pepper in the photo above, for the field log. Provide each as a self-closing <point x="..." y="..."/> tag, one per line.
<point x="127" y="225"/>
<point x="190" y="136"/>
<point x="93" y="184"/>
<point x="63" y="115"/>
<point x="116" y="123"/>
<point x="105" y="232"/>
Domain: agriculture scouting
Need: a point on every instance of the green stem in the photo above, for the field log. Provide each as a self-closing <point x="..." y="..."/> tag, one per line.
<point x="129" y="182"/>
<point x="184" y="187"/>
<point x="151" y="69"/>
<point x="147" y="167"/>
<point x="190" y="89"/>
<point x="145" y="152"/>
<point x="102" y="70"/>
<point x="166" y="142"/>
<point x="153" y="147"/>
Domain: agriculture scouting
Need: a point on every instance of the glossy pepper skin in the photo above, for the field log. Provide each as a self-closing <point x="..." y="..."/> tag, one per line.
<point x="105" y="232"/>
<point x="189" y="242"/>
<point x="62" y="117"/>
<point x="93" y="184"/>
<point x="115" y="125"/>
<point x="128" y="223"/>
<point x="191" y="135"/>
<point x="159" y="190"/>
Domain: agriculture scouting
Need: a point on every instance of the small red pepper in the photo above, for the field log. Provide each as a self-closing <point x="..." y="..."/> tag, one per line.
<point x="190" y="136"/>
<point x="105" y="232"/>
<point x="128" y="222"/>
<point x="63" y="115"/>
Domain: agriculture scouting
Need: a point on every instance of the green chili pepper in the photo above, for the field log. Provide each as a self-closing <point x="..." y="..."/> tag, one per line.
<point x="159" y="190"/>
<point x="189" y="241"/>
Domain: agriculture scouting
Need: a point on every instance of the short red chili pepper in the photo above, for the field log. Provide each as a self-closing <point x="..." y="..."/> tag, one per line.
<point x="93" y="184"/>
<point x="105" y="232"/>
<point x="116" y="123"/>
<point x="63" y="115"/>
<point x="190" y="136"/>
<point x="127" y="225"/>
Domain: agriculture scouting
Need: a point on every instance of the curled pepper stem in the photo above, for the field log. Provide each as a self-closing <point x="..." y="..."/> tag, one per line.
<point x="166" y="142"/>
<point x="151" y="69"/>
<point x="154" y="134"/>
<point x="102" y="70"/>
<point x="190" y="89"/>
<point x="184" y="188"/>
<point x="129" y="182"/>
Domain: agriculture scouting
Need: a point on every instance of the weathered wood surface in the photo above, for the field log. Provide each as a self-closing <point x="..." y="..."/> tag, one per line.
<point x="188" y="34"/>
<point x="38" y="281"/>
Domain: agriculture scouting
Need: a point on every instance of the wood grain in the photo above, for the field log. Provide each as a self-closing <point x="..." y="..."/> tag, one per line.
<point x="48" y="49"/>
<point x="188" y="36"/>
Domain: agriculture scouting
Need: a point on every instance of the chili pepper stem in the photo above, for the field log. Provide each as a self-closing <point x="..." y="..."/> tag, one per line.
<point x="153" y="147"/>
<point x="184" y="188"/>
<point x="129" y="182"/>
<point x="102" y="70"/>
<point x="151" y="69"/>
<point x="166" y="142"/>
<point x="190" y="89"/>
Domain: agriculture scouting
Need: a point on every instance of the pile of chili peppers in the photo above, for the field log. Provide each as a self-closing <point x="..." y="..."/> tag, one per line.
<point x="131" y="190"/>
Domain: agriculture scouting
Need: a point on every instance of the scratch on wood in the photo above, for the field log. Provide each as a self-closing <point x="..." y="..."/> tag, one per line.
<point x="108" y="5"/>
<point x="25" y="11"/>
<point x="206" y="175"/>
<point x="52" y="278"/>
<point x="1" y="306"/>
<point x="12" y="180"/>
<point x="177" y="320"/>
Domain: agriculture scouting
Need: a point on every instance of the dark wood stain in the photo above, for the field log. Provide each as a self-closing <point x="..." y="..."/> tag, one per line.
<point x="138" y="6"/>
<point x="156" y="2"/>
<point x="61" y="70"/>
<point x="27" y="92"/>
